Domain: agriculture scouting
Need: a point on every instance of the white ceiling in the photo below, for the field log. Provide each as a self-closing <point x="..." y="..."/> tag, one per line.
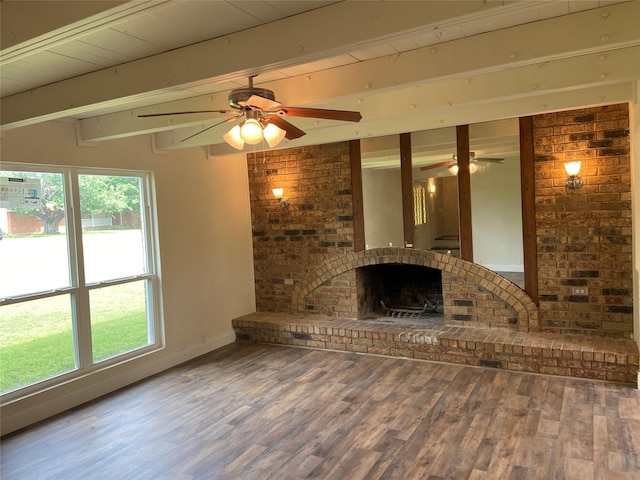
<point x="406" y="66"/>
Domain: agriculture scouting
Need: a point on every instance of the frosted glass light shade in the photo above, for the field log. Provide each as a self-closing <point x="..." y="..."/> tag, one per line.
<point x="473" y="168"/>
<point x="251" y="131"/>
<point x="273" y="134"/>
<point x="233" y="138"/>
<point x="572" y="168"/>
<point x="278" y="192"/>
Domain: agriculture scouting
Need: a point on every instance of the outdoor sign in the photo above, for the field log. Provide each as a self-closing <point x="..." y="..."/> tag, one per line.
<point x="19" y="192"/>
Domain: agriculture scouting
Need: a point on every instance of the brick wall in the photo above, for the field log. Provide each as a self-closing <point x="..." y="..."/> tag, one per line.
<point x="290" y="242"/>
<point x="468" y="304"/>
<point x="23" y="224"/>
<point x="584" y="235"/>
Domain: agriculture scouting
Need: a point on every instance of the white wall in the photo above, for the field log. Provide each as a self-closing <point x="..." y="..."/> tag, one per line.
<point x="204" y="225"/>
<point x="497" y="216"/>
<point x="382" y="206"/>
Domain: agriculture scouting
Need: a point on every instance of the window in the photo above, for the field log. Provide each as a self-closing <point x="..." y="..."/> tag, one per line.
<point x="419" y="204"/>
<point x="78" y="288"/>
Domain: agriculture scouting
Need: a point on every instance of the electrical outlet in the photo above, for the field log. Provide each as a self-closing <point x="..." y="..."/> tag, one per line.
<point x="288" y="281"/>
<point x="579" y="291"/>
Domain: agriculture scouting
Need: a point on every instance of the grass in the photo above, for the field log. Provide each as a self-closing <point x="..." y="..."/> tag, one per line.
<point x="37" y="341"/>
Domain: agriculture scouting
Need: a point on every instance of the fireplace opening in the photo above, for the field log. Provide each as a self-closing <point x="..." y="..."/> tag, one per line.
<point x="400" y="291"/>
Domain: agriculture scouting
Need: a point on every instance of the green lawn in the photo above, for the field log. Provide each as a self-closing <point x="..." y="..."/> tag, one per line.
<point x="36" y="337"/>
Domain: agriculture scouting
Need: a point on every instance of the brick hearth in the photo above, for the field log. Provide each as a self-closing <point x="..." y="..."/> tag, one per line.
<point x="581" y="356"/>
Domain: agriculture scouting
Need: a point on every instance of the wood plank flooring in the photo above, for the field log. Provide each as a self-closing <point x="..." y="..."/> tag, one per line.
<point x="251" y="411"/>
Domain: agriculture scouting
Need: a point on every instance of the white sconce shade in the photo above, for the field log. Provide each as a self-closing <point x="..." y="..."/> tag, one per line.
<point x="251" y="131"/>
<point x="233" y="138"/>
<point x="278" y="192"/>
<point x="432" y="188"/>
<point x="273" y="134"/>
<point x="572" y="168"/>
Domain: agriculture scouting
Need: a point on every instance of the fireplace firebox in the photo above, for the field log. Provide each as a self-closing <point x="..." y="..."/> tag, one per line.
<point x="399" y="290"/>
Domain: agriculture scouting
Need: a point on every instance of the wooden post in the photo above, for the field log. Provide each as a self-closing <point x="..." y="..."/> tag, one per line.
<point x="407" y="189"/>
<point x="527" y="189"/>
<point x="464" y="193"/>
<point x="356" y="195"/>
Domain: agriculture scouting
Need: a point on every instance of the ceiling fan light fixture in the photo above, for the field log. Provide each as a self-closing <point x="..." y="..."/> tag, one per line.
<point x="251" y="131"/>
<point x="453" y="169"/>
<point x="273" y="134"/>
<point x="233" y="138"/>
<point x="259" y="108"/>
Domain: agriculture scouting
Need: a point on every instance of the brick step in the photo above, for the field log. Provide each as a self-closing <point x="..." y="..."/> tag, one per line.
<point x="580" y="356"/>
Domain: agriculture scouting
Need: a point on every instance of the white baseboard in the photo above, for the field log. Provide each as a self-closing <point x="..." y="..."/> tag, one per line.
<point x="505" y="268"/>
<point x="39" y="406"/>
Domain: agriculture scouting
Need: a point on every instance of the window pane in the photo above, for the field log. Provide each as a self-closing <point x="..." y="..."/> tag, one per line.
<point x="36" y="341"/>
<point x="382" y="192"/>
<point x="435" y="188"/>
<point x="119" y="319"/>
<point x="112" y="234"/>
<point x="33" y="249"/>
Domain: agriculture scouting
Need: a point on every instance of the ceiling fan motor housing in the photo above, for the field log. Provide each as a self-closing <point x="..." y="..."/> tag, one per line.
<point x="243" y="94"/>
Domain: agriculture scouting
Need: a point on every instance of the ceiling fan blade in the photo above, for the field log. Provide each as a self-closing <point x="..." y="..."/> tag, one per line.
<point x="228" y="112"/>
<point x="343" y="115"/>
<point x="437" y="165"/>
<point x="212" y="126"/>
<point x="261" y="103"/>
<point x="490" y="160"/>
<point x="293" y="132"/>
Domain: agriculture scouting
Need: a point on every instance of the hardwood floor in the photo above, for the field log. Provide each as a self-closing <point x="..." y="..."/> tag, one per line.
<point x="251" y="411"/>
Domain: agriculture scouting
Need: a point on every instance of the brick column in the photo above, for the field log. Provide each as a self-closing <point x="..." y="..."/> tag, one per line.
<point x="584" y="235"/>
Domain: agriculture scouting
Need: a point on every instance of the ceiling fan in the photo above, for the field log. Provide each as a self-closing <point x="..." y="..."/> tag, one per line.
<point x="452" y="165"/>
<point x="262" y="117"/>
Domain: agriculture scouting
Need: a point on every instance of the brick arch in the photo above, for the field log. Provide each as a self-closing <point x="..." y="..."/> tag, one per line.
<point x="511" y="294"/>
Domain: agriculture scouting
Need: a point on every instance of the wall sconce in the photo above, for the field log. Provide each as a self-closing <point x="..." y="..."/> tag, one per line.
<point x="573" y="169"/>
<point x="278" y="192"/>
<point x="432" y="188"/>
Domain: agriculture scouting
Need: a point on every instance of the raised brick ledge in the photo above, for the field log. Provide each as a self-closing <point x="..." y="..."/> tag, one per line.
<point x="579" y="356"/>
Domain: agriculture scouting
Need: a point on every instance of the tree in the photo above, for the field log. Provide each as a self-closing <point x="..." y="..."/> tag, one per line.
<point x="105" y="194"/>
<point x="99" y="194"/>
<point x="51" y="210"/>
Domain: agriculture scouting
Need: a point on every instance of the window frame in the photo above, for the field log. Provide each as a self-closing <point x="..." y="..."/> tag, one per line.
<point x="79" y="291"/>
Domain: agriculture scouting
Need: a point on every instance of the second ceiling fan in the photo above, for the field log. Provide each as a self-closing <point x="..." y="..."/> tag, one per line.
<point x="262" y="117"/>
<point x="452" y="165"/>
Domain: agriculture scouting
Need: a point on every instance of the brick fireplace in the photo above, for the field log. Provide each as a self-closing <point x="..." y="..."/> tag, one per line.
<point x="308" y="275"/>
<point x="583" y="236"/>
<point x="472" y="295"/>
